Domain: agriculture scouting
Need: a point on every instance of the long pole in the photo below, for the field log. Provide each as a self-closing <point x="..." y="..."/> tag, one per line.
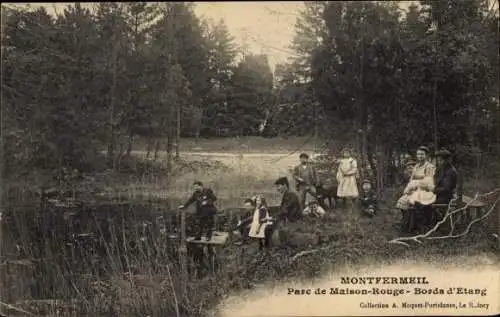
<point x="435" y="119"/>
<point x="178" y="132"/>
<point x="183" y="251"/>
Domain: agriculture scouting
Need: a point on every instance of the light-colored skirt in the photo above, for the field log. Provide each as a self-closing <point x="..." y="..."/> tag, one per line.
<point x="347" y="187"/>
<point x="257" y="230"/>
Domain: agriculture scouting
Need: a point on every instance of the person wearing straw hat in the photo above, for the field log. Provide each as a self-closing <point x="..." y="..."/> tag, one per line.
<point x="347" y="175"/>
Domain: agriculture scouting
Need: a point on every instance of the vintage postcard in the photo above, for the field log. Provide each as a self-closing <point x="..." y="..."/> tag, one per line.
<point x="225" y="159"/>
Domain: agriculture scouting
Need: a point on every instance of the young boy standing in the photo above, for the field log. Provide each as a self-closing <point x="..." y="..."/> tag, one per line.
<point x="205" y="209"/>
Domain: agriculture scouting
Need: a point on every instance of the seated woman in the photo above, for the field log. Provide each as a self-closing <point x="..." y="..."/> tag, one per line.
<point x="420" y="186"/>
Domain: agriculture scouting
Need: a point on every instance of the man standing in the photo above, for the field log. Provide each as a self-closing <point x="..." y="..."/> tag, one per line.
<point x="205" y="209"/>
<point x="305" y="179"/>
<point x="290" y="207"/>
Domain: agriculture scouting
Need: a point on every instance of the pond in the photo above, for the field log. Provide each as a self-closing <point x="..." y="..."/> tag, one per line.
<point x="70" y="252"/>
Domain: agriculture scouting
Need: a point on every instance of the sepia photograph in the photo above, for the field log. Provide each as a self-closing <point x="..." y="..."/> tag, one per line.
<point x="250" y="158"/>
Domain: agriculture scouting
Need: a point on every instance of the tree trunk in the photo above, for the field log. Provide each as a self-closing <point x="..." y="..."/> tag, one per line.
<point x="157" y="150"/>
<point x="112" y="144"/>
<point x="197" y="123"/>
<point x="129" y="145"/>
<point x="498" y="128"/>
<point x="371" y="162"/>
<point x="178" y="133"/>
<point x="170" y="136"/>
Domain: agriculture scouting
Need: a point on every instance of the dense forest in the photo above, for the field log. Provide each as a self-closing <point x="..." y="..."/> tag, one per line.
<point x="98" y="77"/>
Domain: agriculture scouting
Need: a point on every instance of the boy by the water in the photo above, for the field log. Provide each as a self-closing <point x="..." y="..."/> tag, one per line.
<point x="368" y="199"/>
<point x="205" y="209"/>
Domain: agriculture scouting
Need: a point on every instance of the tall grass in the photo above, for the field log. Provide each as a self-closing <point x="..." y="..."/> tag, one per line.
<point x="112" y="259"/>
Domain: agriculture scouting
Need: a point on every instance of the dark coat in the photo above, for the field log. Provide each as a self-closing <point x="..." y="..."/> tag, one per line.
<point x="290" y="206"/>
<point x="308" y="174"/>
<point x="204" y="200"/>
<point x="445" y="181"/>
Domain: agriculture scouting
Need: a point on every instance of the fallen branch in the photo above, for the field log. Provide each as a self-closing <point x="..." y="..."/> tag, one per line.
<point x="17" y="309"/>
<point x="470" y="224"/>
<point x="449" y="216"/>
<point x="303" y="253"/>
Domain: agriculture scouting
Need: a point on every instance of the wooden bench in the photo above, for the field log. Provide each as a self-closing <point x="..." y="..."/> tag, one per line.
<point x="474" y="208"/>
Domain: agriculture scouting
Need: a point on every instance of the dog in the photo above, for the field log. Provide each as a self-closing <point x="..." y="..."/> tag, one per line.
<point x="326" y="192"/>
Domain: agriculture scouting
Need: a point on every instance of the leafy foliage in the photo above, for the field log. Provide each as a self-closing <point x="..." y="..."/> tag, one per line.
<point x="94" y="78"/>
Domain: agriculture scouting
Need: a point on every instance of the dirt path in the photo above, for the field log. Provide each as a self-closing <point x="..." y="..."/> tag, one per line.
<point x="261" y="165"/>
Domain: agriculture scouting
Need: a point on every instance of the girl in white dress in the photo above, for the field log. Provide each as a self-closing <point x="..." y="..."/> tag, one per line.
<point x="347" y="175"/>
<point x="260" y="221"/>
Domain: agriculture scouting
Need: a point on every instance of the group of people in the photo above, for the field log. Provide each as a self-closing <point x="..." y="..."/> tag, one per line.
<point x="347" y="176"/>
<point x="428" y="185"/>
<point x="293" y="205"/>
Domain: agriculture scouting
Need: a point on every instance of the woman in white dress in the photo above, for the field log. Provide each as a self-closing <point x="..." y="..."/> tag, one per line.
<point x="422" y="178"/>
<point x="260" y="221"/>
<point x="347" y="175"/>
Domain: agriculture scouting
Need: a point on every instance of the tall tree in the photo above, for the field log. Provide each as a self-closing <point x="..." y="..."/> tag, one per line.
<point x="251" y="94"/>
<point x="222" y="54"/>
<point x="311" y="33"/>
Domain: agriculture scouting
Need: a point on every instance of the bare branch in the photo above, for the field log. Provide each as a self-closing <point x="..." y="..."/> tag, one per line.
<point x="302" y="253"/>
<point x="470" y="224"/>
<point x="449" y="216"/>
<point x="17" y="309"/>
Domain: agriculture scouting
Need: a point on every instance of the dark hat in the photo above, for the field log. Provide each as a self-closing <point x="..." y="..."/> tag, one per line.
<point x="367" y="181"/>
<point x="304" y="155"/>
<point x="282" y="181"/>
<point x="443" y="153"/>
<point x="411" y="162"/>
<point x="423" y="148"/>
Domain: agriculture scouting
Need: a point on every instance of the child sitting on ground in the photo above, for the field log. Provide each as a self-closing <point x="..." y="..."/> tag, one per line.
<point x="368" y="199"/>
<point x="314" y="209"/>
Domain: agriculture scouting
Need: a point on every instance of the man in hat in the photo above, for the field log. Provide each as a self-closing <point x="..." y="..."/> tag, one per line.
<point x="445" y="178"/>
<point x="205" y="209"/>
<point x="290" y="206"/>
<point x="305" y="178"/>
